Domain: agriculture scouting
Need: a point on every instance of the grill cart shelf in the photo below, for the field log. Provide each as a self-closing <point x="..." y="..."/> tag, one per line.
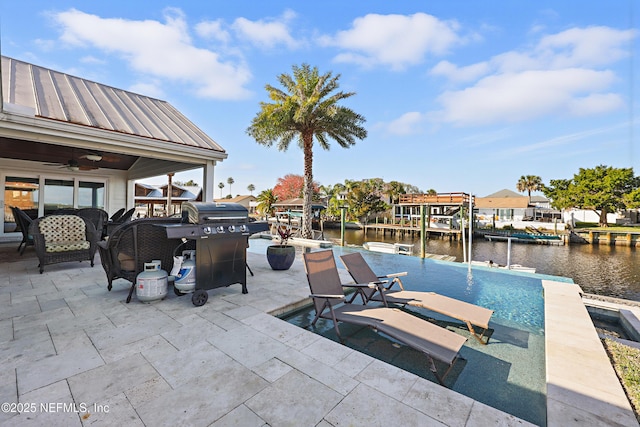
<point x="221" y="232"/>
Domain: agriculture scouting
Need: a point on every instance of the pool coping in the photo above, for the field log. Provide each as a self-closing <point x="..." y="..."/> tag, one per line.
<point x="582" y="386"/>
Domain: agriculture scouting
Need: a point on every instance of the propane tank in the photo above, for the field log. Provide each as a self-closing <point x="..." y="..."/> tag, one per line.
<point x="151" y="283"/>
<point x="186" y="278"/>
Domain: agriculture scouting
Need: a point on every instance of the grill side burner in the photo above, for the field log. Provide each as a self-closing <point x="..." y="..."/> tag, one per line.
<point x="221" y="232"/>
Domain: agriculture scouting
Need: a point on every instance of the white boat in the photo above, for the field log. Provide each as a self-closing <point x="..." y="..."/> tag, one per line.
<point x="512" y="267"/>
<point x="389" y="248"/>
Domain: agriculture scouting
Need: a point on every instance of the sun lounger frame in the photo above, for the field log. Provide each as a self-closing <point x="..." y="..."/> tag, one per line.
<point x="435" y="342"/>
<point x="469" y="314"/>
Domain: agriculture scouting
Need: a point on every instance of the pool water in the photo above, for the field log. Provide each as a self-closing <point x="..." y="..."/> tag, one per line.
<point x="508" y="373"/>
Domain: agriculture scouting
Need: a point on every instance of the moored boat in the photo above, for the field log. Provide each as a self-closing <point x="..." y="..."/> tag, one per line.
<point x="389" y="248"/>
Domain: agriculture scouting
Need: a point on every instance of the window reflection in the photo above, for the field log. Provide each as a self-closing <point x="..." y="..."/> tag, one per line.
<point x="58" y="194"/>
<point x="22" y="193"/>
<point x="90" y="195"/>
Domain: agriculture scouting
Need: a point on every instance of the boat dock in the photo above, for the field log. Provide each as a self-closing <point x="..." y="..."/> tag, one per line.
<point x="411" y="230"/>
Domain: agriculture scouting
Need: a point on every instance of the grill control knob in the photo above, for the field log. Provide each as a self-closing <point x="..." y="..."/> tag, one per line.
<point x="220" y="229"/>
<point x="232" y="228"/>
<point x="243" y="228"/>
<point x="206" y="230"/>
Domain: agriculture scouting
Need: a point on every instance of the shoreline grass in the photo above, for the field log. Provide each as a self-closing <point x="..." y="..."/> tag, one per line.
<point x="626" y="362"/>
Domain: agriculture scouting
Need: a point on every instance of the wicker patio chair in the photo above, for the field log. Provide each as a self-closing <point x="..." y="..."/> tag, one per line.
<point x="132" y="244"/>
<point x="63" y="238"/>
<point x="24" y="221"/>
<point x="98" y="218"/>
<point x="117" y="214"/>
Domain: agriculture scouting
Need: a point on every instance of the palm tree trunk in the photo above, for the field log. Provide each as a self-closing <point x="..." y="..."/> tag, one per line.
<point x="307" y="232"/>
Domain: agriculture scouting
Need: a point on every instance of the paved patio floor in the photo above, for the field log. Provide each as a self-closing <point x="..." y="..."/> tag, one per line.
<point x="74" y="354"/>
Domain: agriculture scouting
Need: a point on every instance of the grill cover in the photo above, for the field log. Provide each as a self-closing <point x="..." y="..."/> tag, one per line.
<point x="208" y="212"/>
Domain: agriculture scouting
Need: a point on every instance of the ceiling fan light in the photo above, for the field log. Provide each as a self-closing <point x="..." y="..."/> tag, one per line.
<point x="93" y="157"/>
<point x="73" y="168"/>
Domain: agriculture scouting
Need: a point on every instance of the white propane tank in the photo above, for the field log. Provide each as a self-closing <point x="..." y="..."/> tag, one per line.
<point x="151" y="283"/>
<point x="186" y="278"/>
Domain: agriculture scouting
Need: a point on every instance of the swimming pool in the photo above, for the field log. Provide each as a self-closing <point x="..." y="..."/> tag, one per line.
<point x="509" y="373"/>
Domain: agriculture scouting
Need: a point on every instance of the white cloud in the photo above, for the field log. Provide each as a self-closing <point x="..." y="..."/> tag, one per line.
<point x="267" y="33"/>
<point x="213" y="30"/>
<point x="585" y="47"/>
<point x="161" y="50"/>
<point x="562" y="74"/>
<point x="407" y="124"/>
<point x="152" y="89"/>
<point x="522" y="96"/>
<point x="460" y="74"/>
<point x="394" y="40"/>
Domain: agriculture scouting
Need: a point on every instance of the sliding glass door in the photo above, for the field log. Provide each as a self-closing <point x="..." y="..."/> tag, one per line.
<point x="41" y="195"/>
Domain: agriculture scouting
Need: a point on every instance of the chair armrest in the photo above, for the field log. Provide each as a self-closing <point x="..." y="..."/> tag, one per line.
<point x="375" y="285"/>
<point x="396" y="279"/>
<point x="392" y="275"/>
<point x="328" y="296"/>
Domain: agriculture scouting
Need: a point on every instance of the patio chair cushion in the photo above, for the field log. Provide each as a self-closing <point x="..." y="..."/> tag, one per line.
<point x="127" y="262"/>
<point x="64" y="233"/>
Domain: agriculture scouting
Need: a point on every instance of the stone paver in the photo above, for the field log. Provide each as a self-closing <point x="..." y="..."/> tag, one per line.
<point x="65" y="340"/>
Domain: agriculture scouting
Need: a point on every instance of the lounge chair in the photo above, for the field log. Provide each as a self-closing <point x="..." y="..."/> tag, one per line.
<point x="327" y="292"/>
<point x="470" y="314"/>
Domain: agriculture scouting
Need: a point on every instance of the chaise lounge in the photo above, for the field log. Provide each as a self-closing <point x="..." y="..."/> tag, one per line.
<point x="470" y="314"/>
<point x="435" y="342"/>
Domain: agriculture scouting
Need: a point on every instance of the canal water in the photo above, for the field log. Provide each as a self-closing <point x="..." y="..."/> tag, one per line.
<point x="598" y="269"/>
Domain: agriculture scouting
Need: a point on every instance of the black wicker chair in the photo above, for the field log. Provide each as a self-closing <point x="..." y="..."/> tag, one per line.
<point x="23" y="221"/>
<point x="98" y="218"/>
<point x="116" y="216"/>
<point x="112" y="224"/>
<point x="132" y="244"/>
<point x="63" y="238"/>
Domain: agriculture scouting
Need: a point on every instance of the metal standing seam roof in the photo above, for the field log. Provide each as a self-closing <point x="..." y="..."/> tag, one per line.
<point x="62" y="97"/>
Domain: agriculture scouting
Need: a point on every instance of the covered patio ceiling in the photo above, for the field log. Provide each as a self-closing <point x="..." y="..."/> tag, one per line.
<point x="61" y="156"/>
<point x="58" y="120"/>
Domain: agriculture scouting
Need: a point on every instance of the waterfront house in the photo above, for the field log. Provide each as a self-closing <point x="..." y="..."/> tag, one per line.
<point x="508" y="208"/>
<point x="72" y="142"/>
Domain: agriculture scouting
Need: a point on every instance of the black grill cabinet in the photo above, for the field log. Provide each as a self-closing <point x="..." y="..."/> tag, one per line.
<point x="221" y="232"/>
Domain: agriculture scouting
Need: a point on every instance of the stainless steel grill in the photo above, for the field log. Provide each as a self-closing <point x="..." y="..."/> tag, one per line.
<point x="221" y="232"/>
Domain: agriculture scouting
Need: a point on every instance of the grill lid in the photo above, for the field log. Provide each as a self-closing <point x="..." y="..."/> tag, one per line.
<point x="204" y="212"/>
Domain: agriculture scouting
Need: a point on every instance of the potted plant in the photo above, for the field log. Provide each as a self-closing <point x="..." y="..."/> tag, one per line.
<point x="282" y="255"/>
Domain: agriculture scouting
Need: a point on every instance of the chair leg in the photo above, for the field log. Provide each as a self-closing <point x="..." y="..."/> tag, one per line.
<point x="133" y="286"/>
<point x="475" y="334"/>
<point x="248" y="268"/>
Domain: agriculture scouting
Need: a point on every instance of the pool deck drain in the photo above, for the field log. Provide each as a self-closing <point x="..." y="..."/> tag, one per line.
<point x="65" y="340"/>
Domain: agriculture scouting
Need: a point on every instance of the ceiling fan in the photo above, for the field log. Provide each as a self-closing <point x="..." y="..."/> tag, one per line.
<point x="73" y="166"/>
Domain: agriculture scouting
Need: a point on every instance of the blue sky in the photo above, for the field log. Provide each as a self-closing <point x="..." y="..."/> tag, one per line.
<point x="457" y="95"/>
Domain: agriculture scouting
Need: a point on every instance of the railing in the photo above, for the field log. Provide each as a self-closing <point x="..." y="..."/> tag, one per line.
<point x="434" y="199"/>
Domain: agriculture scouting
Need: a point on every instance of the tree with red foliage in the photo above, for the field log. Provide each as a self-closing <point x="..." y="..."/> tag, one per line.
<point x="291" y="186"/>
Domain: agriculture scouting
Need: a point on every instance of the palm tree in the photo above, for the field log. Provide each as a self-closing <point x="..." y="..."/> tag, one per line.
<point x="221" y="186"/>
<point x="230" y="181"/>
<point x="251" y="188"/>
<point x="307" y="108"/>
<point x="529" y="183"/>
<point x="265" y="200"/>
